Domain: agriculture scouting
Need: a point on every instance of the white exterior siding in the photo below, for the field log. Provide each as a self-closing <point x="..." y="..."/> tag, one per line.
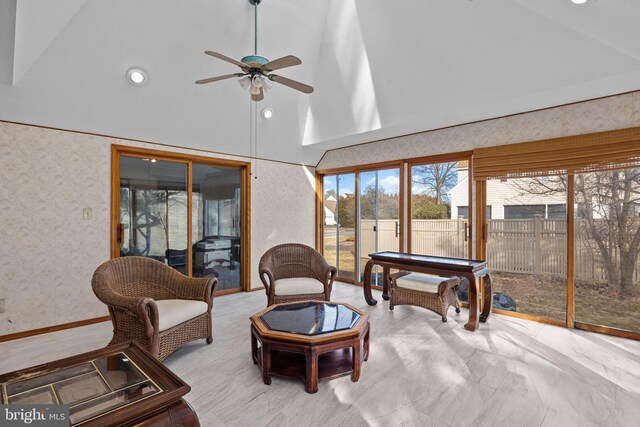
<point x="499" y="194"/>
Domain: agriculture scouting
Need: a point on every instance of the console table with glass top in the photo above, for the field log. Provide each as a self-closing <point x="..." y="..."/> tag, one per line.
<point x="472" y="270"/>
<point x="120" y="385"/>
<point x="310" y="341"/>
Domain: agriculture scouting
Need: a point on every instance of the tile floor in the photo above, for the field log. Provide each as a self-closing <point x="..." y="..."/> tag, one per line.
<point x="421" y="372"/>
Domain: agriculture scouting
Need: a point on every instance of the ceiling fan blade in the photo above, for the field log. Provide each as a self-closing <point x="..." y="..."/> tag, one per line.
<point x="284" y="62"/>
<point x="215" y="79"/>
<point x="258" y="97"/>
<point x="226" y="58"/>
<point x="291" y="83"/>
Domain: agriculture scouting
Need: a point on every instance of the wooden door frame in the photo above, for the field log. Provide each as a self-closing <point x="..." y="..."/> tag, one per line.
<point x="245" y="199"/>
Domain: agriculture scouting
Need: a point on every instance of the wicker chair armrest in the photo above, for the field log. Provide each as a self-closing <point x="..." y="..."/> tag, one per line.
<point x="195" y="288"/>
<point x="145" y="309"/>
<point x="394" y="276"/>
<point x="321" y="267"/>
<point x="451" y="284"/>
<point x="267" y="278"/>
<point x="329" y="277"/>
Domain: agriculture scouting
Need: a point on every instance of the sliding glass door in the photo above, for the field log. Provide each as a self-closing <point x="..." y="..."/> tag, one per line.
<point x="339" y="223"/>
<point x="186" y="213"/>
<point x="440" y="209"/>
<point x="360" y="215"/>
<point x="216" y="219"/>
<point x="153" y="210"/>
<point x="379" y="217"/>
<point x="527" y="245"/>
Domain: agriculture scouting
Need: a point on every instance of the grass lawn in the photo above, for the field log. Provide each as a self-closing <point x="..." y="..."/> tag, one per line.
<point x="545" y="296"/>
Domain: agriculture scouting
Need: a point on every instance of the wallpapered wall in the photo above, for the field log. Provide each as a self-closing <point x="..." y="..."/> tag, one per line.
<point x="48" y="252"/>
<point x="616" y="112"/>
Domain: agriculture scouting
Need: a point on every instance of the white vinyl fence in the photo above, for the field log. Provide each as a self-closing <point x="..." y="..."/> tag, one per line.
<point x="525" y="246"/>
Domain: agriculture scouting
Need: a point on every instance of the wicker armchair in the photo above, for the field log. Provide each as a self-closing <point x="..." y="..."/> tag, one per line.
<point x="430" y="292"/>
<point x="295" y="272"/>
<point x="153" y="304"/>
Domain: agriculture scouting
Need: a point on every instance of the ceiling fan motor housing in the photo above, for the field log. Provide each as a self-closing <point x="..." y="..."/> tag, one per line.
<point x="254" y="61"/>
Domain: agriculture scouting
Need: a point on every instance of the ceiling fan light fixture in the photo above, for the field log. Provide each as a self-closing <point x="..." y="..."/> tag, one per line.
<point x="257" y="81"/>
<point x="245" y="82"/>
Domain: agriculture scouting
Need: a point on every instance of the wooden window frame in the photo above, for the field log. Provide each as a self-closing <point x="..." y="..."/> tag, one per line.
<point x="117" y="151"/>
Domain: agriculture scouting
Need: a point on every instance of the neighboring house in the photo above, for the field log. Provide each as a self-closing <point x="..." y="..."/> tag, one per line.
<point x="330" y="210"/>
<point x="505" y="200"/>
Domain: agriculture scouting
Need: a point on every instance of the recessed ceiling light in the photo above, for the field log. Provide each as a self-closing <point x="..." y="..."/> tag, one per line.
<point x="267" y="113"/>
<point x="579" y="1"/>
<point x="136" y="76"/>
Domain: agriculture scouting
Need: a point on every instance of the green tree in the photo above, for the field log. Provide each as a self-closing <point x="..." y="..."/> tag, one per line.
<point x="426" y="207"/>
<point x="346" y="207"/>
<point x="437" y="179"/>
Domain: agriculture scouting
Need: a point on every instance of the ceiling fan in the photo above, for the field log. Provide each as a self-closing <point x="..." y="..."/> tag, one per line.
<point x="256" y="75"/>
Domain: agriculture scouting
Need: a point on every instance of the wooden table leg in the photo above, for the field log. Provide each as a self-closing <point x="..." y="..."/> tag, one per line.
<point x="311" y="382"/>
<point x="366" y="287"/>
<point x="356" y="360"/>
<point x="487" y="298"/>
<point x="366" y="344"/>
<point x="266" y="363"/>
<point x="254" y="347"/>
<point x="472" y="325"/>
<point x="385" y="283"/>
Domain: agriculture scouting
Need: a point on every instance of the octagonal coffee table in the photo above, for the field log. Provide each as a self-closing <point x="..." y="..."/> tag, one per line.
<point x="310" y="341"/>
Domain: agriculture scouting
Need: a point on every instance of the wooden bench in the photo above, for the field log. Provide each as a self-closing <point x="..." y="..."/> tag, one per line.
<point x="431" y="292"/>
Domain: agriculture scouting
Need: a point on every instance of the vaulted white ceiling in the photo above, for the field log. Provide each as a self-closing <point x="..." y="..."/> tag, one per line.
<point x="379" y="68"/>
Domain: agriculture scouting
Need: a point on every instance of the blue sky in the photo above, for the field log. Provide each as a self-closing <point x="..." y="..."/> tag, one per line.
<point x="388" y="180"/>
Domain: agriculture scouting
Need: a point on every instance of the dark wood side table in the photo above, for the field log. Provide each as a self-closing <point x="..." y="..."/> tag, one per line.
<point x="120" y="385"/>
<point x="310" y="341"/>
<point x="472" y="270"/>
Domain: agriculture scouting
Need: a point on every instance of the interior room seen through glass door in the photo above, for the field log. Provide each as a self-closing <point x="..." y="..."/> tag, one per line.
<point x="153" y="210"/>
<point x="216" y="227"/>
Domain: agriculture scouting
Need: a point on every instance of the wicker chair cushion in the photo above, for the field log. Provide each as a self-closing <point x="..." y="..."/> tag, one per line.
<point x="298" y="286"/>
<point x="421" y="282"/>
<point x="172" y="312"/>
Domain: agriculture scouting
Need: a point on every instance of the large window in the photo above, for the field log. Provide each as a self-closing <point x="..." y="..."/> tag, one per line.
<point x="564" y="242"/>
<point x="558" y="222"/>
<point x="523" y="211"/>
<point x="440" y="209"/>
<point x="463" y="212"/>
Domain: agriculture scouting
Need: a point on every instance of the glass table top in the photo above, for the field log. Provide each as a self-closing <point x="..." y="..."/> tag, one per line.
<point x="310" y="318"/>
<point x="90" y="389"/>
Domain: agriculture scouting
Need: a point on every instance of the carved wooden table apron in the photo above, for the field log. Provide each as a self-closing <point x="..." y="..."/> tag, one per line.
<point x="472" y="270"/>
